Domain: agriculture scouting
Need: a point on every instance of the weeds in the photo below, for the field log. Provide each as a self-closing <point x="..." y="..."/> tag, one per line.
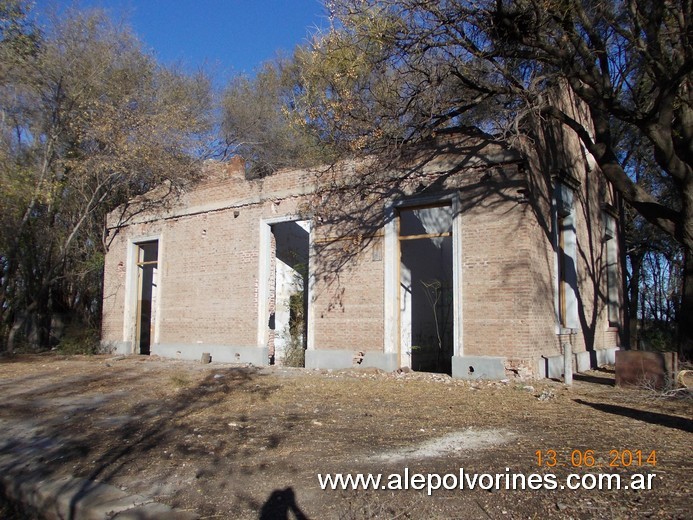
<point x="180" y="381"/>
<point x="295" y="353"/>
<point x="79" y="340"/>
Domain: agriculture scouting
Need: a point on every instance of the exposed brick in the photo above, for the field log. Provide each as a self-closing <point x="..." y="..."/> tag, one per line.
<point x="210" y="256"/>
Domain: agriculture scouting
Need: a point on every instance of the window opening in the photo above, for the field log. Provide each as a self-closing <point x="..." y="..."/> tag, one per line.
<point x="612" y="278"/>
<point x="567" y="257"/>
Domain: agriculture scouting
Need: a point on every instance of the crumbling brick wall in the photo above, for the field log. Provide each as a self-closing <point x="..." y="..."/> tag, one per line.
<point x="211" y="253"/>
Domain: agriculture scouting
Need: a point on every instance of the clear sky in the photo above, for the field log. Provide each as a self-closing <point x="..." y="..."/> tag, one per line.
<point x="225" y="36"/>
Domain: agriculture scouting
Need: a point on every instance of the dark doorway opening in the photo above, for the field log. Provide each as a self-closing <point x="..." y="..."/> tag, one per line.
<point x="147" y="274"/>
<point x="426" y="287"/>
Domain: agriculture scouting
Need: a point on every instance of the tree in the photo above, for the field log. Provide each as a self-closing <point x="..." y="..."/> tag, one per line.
<point x="87" y="121"/>
<point x="394" y="71"/>
<point x="654" y="259"/>
<point x="257" y="122"/>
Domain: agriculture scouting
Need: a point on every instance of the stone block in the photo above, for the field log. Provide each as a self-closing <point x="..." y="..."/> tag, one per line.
<point x="478" y="367"/>
<point x="329" y="359"/>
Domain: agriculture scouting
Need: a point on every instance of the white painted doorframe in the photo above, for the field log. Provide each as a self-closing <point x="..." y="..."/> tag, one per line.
<point x="392" y="290"/>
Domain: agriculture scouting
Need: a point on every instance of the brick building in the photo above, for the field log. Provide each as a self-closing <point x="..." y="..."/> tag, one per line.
<point x="467" y="257"/>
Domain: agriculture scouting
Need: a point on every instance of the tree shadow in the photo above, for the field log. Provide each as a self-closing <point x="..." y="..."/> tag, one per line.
<point x="354" y="201"/>
<point x="54" y="438"/>
<point x="669" y="421"/>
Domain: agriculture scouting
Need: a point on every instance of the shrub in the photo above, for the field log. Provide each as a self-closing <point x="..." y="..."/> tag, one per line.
<point x="79" y="339"/>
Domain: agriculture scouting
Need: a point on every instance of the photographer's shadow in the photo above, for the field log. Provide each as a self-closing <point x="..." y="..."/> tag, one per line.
<point x="279" y="504"/>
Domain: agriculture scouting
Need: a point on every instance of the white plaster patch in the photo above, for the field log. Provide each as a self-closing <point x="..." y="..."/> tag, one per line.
<point x="452" y="443"/>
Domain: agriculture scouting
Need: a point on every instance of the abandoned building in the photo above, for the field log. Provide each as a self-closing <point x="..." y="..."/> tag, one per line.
<point x="469" y="257"/>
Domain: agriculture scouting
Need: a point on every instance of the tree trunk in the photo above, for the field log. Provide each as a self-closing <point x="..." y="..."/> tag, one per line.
<point x="42" y="318"/>
<point x="16" y="327"/>
<point x="685" y="317"/>
<point x="629" y="317"/>
<point x="634" y="299"/>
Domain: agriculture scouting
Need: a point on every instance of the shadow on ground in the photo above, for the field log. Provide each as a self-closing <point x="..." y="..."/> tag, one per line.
<point x="660" y="419"/>
<point x="65" y="423"/>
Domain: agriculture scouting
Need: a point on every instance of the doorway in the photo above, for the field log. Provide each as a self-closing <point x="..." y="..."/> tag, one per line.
<point x="426" y="287"/>
<point x="290" y="242"/>
<point x="147" y="263"/>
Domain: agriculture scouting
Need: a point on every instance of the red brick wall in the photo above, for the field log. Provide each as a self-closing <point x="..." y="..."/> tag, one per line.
<point x="210" y="247"/>
<point x="348" y="312"/>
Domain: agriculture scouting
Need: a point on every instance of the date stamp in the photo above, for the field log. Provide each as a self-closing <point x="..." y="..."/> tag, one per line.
<point x="550" y="458"/>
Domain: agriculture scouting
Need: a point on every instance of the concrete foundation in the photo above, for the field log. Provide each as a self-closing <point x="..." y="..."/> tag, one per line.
<point x="478" y="367"/>
<point x="330" y="359"/>
<point x="582" y="361"/>
<point x="220" y="353"/>
<point x="386" y="362"/>
<point x="122" y="348"/>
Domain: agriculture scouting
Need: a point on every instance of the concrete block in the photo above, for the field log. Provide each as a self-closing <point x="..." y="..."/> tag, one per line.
<point x="609" y="356"/>
<point x="116" y="347"/>
<point x="478" y="367"/>
<point x="98" y="508"/>
<point x="553" y="367"/>
<point x="651" y="369"/>
<point x="219" y="353"/>
<point x="69" y="497"/>
<point x="584" y="361"/>
<point x="383" y="361"/>
<point x="330" y="359"/>
<point x="606" y="356"/>
<point x="81" y="499"/>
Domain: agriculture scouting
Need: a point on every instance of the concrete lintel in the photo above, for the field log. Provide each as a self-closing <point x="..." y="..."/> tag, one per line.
<point x="478" y="367"/>
<point x="334" y="359"/>
<point x="220" y="353"/>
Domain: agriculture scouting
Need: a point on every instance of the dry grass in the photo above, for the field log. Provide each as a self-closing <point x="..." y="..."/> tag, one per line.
<point x="224" y="440"/>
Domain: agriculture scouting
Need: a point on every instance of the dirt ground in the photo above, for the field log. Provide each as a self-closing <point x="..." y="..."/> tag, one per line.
<point x="229" y="441"/>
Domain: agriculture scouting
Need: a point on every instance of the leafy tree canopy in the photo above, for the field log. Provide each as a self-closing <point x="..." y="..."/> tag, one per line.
<point x="87" y="122"/>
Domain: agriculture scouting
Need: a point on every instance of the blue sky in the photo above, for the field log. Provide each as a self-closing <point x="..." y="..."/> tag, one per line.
<point x="225" y="36"/>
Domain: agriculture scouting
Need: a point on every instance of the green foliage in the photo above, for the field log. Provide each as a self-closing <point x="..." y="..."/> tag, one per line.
<point x="79" y="339"/>
<point x="295" y="354"/>
<point x="617" y="74"/>
<point x="658" y="336"/>
<point x="295" y="349"/>
<point x="260" y="123"/>
<point x="88" y="121"/>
